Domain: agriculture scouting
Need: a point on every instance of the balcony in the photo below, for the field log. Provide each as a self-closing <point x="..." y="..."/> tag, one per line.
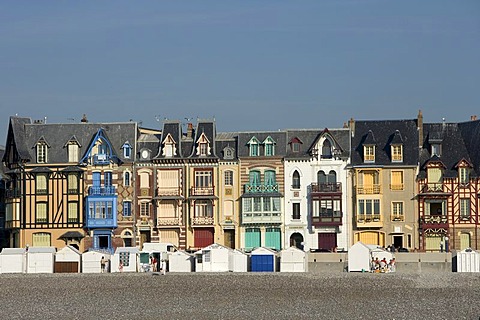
<point x="169" y="192"/>
<point x="104" y="221"/>
<point x="168" y="221"/>
<point x="432" y="188"/>
<point x="434" y="221"/>
<point x="101" y="212"/>
<point x="202" y="191"/>
<point x="261" y="217"/>
<point x="202" y="221"/>
<point x="101" y="159"/>
<point x="369" y="189"/>
<point x="369" y="220"/>
<point x="397" y="217"/>
<point x="102" y="191"/>
<point x="328" y="219"/>
<point x="261" y="188"/>
<point x="396" y="187"/>
<point x="13" y="193"/>
<point x="328" y="187"/>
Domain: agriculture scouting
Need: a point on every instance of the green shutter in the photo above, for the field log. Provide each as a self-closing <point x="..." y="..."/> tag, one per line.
<point x="273" y="239"/>
<point x="252" y="238"/>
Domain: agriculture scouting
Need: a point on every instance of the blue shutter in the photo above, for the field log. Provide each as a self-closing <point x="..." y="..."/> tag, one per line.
<point x="96" y="179"/>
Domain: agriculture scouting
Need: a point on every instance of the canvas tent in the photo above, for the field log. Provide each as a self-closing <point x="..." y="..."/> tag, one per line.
<point x="360" y="256"/>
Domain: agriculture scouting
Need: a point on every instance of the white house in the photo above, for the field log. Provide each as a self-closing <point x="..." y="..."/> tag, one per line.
<point x="68" y="259"/>
<point x="40" y="259"/>
<point x="293" y="260"/>
<point x="13" y="260"/>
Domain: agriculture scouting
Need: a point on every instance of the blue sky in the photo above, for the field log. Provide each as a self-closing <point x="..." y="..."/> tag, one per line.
<point x="253" y="65"/>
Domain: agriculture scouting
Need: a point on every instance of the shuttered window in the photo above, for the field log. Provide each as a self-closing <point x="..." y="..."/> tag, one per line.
<point x="41" y="239"/>
<point x="434" y="175"/>
<point x="41" y="212"/>
<point x="73" y="212"/>
<point x="464" y="241"/>
<point x="397" y="180"/>
<point x="168" y="178"/>
<point x="168" y="209"/>
<point x="41" y="184"/>
<point x="432" y="242"/>
<point x="72" y="183"/>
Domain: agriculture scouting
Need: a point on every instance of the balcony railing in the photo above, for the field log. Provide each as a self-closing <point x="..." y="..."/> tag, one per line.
<point x="202" y="221"/>
<point x="102" y="191"/>
<point x="101" y="159"/>
<point x="431" y="187"/>
<point x="202" y="191"/>
<point x="13" y="193"/>
<point x="367" y="218"/>
<point x="168" y="191"/>
<point x="167" y="221"/>
<point x="369" y="189"/>
<point x="435" y="219"/>
<point x="397" y="217"/>
<point x="396" y="187"/>
<point x="261" y="188"/>
<point x="328" y="219"/>
<point x="262" y="217"/>
<point x="327" y="187"/>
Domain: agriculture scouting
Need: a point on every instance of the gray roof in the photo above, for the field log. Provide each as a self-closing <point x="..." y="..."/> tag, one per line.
<point x="382" y="134"/>
<point x="280" y="138"/>
<point x="308" y="138"/>
<point x="470" y="132"/>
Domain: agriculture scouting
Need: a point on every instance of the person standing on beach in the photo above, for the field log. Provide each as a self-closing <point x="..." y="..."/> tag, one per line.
<point x="103" y="263"/>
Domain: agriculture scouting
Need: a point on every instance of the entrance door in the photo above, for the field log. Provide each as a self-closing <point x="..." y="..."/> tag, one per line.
<point x="296" y="240"/>
<point x="144" y="237"/>
<point x="327" y="241"/>
<point x="398" y="242"/>
<point x="229" y="238"/>
<point x="203" y="237"/>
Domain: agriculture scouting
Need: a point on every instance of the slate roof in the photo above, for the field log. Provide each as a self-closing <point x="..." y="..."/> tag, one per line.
<point x="27" y="134"/>
<point x="226" y="140"/>
<point x="382" y="134"/>
<point x="208" y="128"/>
<point x="280" y="138"/>
<point x="310" y="137"/>
<point x="470" y="132"/>
<point x="453" y="148"/>
<point x="174" y="129"/>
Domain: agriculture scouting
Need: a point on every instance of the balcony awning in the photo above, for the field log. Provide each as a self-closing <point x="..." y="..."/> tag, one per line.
<point x="260" y="195"/>
<point x="203" y="197"/>
<point x="169" y="198"/>
<point x="72" y="235"/>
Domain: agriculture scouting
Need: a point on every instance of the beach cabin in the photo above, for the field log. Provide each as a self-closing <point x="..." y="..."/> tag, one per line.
<point x="468" y="260"/>
<point x="263" y="260"/>
<point x="68" y="260"/>
<point x="125" y="259"/>
<point x="40" y="259"/>
<point x="157" y="251"/>
<point x="181" y="261"/>
<point x="213" y="258"/>
<point x="293" y="260"/>
<point x="91" y="261"/>
<point x="237" y="261"/>
<point x="13" y="260"/>
<point x="360" y="256"/>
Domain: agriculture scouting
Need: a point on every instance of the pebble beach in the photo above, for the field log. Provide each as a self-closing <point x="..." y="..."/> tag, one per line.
<point x="240" y="296"/>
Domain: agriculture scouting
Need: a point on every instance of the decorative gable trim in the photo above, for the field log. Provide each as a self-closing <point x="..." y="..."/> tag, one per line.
<point x="169" y="148"/>
<point x="72" y="140"/>
<point x="104" y="153"/>
<point x="203" y="146"/>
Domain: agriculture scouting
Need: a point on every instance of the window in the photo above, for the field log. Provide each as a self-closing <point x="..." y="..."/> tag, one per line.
<point x="229" y="178"/>
<point x="108" y="179"/>
<point x="41" y="239"/>
<point x="42" y="152"/>
<point x="327" y="208"/>
<point x="253" y="147"/>
<point x="72" y="183"/>
<point x="41" y="184"/>
<point x="321" y="177"/>
<point x="126" y="179"/>
<point x="270" y="178"/>
<point x="296" y="180"/>
<point x="369" y="209"/>
<point x="127" y="208"/>
<point x="463" y="175"/>
<point x="41" y="213"/>
<point x="434" y="178"/>
<point x="203" y="147"/>
<point x="73" y="212"/>
<point x="326" y="149"/>
<point x="203" y="179"/>
<point x="127" y="150"/>
<point x="100" y="210"/>
<point x="73" y="152"/>
<point x="254" y="177"/>
<point x="169" y="147"/>
<point x="295" y="147"/>
<point x="145" y="208"/>
<point x="332" y="177"/>
<point x="436" y="149"/>
<point x="396" y="180"/>
<point x="228" y="153"/>
<point x="397" y="211"/>
<point x="368" y="153"/>
<point x="269" y="145"/>
<point x="203" y="208"/>
<point x="296" y="211"/>
<point x="397" y="153"/>
<point x="465" y="208"/>
<point x="144" y="180"/>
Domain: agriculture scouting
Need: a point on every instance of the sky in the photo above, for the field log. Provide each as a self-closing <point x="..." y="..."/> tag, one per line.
<point x="250" y="65"/>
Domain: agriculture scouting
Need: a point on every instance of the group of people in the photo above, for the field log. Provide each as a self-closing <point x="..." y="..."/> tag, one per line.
<point x="378" y="265"/>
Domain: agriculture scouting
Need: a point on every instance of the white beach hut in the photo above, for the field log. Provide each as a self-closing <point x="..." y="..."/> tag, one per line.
<point x="237" y="261"/>
<point x="360" y="256"/>
<point x="13" y="260"/>
<point x="263" y="260"/>
<point x="125" y="259"/>
<point x="68" y="260"/>
<point x="40" y="259"/>
<point x="91" y="261"/>
<point x="181" y="261"/>
<point x="468" y="260"/>
<point x="213" y="258"/>
<point x="293" y="260"/>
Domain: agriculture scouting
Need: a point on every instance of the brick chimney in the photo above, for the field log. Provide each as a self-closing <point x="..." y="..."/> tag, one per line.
<point x="351" y="125"/>
<point x="84" y="118"/>
<point x="473" y="118"/>
<point x="189" y="130"/>
<point x="420" y="128"/>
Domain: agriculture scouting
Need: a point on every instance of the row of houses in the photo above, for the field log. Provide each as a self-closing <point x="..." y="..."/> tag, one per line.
<point x="100" y="186"/>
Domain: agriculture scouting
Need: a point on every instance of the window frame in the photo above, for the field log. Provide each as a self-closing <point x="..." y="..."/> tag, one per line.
<point x="369" y="153"/>
<point x="228" y="178"/>
<point x="397" y="152"/>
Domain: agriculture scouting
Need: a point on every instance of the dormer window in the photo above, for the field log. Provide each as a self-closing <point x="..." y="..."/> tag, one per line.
<point x="203" y="146"/>
<point x="296" y="147"/>
<point x="127" y="150"/>
<point x="326" y="149"/>
<point x="73" y="152"/>
<point x="228" y="153"/>
<point x="269" y="144"/>
<point x="463" y="175"/>
<point x="436" y="149"/>
<point x="42" y="150"/>
<point x="369" y="153"/>
<point x="397" y="153"/>
<point x="253" y="147"/>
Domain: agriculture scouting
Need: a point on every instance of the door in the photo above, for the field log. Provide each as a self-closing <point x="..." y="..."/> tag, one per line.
<point x="229" y="238"/>
<point x="398" y="242"/>
<point x="252" y="238"/>
<point x="144" y="237"/>
<point x="203" y="237"/>
<point x="327" y="241"/>
<point x="273" y="238"/>
<point x="296" y="240"/>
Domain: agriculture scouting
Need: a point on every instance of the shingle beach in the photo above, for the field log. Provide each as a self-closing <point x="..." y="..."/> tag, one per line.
<point x="240" y="296"/>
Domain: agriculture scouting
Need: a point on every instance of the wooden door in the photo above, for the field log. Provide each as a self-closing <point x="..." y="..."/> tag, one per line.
<point x="229" y="238"/>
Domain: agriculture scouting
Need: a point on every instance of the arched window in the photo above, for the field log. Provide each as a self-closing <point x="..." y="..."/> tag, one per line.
<point x="321" y="177"/>
<point x="255" y="178"/>
<point x="296" y="180"/>
<point x="332" y="177"/>
<point x="327" y="149"/>
<point x="126" y="178"/>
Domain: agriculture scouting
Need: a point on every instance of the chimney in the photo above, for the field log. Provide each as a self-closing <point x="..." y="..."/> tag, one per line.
<point x="420" y="128"/>
<point x="473" y="118"/>
<point x="189" y="130"/>
<point x="351" y="124"/>
<point x="84" y="118"/>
